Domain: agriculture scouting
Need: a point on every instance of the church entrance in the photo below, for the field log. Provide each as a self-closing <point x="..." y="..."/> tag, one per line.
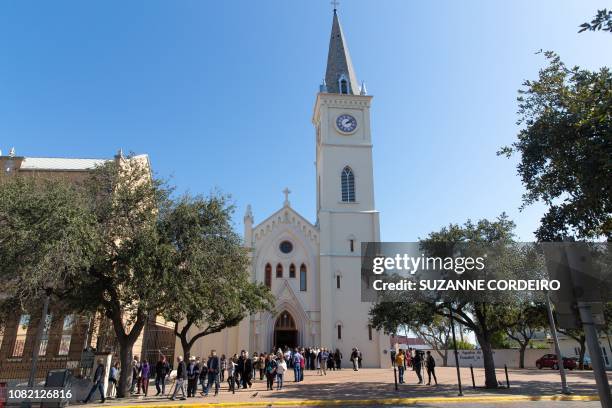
<point x="285" y="331"/>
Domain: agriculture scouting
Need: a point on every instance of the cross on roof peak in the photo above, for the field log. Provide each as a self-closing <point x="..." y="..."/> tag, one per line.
<point x="286" y="191"/>
<point x="335" y="3"/>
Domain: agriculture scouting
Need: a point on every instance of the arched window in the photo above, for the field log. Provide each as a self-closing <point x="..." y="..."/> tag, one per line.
<point x="303" y="278"/>
<point x="343" y="86"/>
<point x="268" y="277"/>
<point x="292" y="271"/>
<point x="347" y="180"/>
<point x="339" y="331"/>
<point x="279" y="271"/>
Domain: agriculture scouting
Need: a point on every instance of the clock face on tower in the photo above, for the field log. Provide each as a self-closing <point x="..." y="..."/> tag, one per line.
<point x="346" y="123"/>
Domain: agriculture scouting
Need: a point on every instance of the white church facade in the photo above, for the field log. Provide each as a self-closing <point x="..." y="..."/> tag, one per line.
<point x="313" y="270"/>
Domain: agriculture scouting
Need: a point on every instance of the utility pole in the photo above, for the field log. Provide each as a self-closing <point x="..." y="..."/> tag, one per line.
<point x="553" y="329"/>
<point x="450" y="309"/>
<point x="590" y="332"/>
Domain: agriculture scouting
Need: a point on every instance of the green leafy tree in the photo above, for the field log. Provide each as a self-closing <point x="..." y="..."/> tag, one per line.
<point x="132" y="270"/>
<point x="419" y="318"/>
<point x="526" y="321"/>
<point x="601" y="21"/>
<point x="47" y="238"/>
<point x="485" y="314"/>
<point x="46" y="235"/>
<point x="565" y="146"/>
<point x="215" y="291"/>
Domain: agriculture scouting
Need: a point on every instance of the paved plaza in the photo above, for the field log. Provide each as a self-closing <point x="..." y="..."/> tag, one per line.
<point x="376" y="387"/>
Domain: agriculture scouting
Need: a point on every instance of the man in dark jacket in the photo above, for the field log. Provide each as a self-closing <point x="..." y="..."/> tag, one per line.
<point x="162" y="369"/>
<point x="193" y="373"/>
<point x="98" y="382"/>
<point x="181" y="375"/>
<point x="417" y="362"/>
<point x="430" y="365"/>
<point x="247" y="369"/>
<point x="213" y="372"/>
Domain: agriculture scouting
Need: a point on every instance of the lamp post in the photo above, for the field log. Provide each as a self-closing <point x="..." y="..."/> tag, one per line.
<point x="450" y="309"/>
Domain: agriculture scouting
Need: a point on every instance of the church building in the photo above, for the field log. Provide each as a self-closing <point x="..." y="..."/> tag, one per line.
<point x="313" y="269"/>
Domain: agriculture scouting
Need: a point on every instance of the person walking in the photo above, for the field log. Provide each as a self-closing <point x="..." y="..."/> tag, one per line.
<point x="98" y="382"/>
<point x="231" y="374"/>
<point x="270" y="369"/>
<point x="297" y="368"/>
<point x="145" y="373"/>
<point x="193" y="374"/>
<point x="203" y="377"/>
<point x="302" y="365"/>
<point x="417" y="361"/>
<point x="324" y="356"/>
<point x="135" y="375"/>
<point x="355" y="359"/>
<point x="213" y="372"/>
<point x="281" y="369"/>
<point x="181" y="375"/>
<point x="113" y="379"/>
<point x="430" y="365"/>
<point x="338" y="359"/>
<point x="262" y="365"/>
<point x="359" y="357"/>
<point x="247" y="370"/>
<point x="162" y="369"/>
<point x="399" y="363"/>
<point x="222" y="368"/>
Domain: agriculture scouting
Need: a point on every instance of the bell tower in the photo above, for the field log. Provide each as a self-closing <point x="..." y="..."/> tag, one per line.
<point x="346" y="213"/>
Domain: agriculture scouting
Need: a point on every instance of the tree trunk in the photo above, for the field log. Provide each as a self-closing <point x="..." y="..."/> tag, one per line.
<point x="487" y="357"/>
<point x="445" y="358"/>
<point x="125" y="377"/>
<point x="522" y="349"/>
<point x="186" y="347"/>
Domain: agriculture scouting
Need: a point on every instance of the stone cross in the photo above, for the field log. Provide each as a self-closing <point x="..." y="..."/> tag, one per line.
<point x="286" y="191"/>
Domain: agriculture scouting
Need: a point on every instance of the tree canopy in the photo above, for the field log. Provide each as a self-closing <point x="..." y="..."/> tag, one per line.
<point x="565" y="146"/>
<point x="215" y="291"/>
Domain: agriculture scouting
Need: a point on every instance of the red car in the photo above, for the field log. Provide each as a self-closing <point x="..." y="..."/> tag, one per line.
<point x="550" y="360"/>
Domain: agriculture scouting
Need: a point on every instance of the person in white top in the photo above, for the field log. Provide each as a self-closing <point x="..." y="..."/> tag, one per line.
<point x="281" y="368"/>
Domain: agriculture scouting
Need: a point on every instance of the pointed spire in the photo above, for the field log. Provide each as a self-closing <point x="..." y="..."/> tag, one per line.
<point x="339" y="65"/>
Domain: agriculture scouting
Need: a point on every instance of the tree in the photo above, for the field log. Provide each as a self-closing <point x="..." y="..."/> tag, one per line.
<point x="417" y="317"/>
<point x="484" y="313"/>
<point x="47" y="238"/>
<point x="527" y="320"/>
<point x="132" y="269"/>
<point x="565" y="146"/>
<point x="216" y="291"/>
<point x="601" y="21"/>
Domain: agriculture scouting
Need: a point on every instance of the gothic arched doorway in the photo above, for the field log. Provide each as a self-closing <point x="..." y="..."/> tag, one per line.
<point x="285" y="331"/>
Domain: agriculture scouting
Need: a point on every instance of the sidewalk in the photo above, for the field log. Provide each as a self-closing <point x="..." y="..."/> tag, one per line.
<point x="376" y="387"/>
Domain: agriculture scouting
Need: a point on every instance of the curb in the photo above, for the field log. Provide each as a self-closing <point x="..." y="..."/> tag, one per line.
<point x="381" y="401"/>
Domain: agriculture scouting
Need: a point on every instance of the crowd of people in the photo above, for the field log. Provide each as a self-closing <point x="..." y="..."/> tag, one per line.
<point x="197" y="374"/>
<point x="239" y="371"/>
<point x="415" y="359"/>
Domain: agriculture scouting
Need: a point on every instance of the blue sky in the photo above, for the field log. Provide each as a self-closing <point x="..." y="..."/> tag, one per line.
<point x="220" y="94"/>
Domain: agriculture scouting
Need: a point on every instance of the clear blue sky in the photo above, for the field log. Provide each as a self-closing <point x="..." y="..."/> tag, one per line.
<point x="220" y="94"/>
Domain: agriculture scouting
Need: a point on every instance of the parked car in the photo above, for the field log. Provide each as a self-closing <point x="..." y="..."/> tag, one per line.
<point x="550" y="361"/>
